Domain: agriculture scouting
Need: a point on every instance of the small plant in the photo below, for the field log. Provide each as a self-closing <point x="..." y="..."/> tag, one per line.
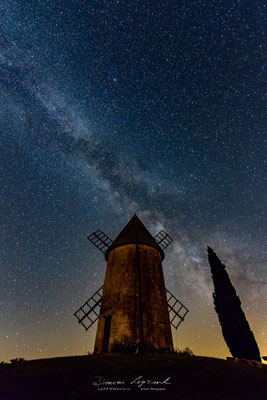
<point x="16" y="360"/>
<point x="185" y="352"/>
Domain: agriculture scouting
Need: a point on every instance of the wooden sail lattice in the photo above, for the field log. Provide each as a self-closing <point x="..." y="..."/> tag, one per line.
<point x="100" y="240"/>
<point x="177" y="311"/>
<point x="88" y="313"/>
<point x="163" y="239"/>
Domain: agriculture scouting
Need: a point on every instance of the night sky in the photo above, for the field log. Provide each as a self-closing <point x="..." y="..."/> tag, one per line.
<point x="114" y="107"/>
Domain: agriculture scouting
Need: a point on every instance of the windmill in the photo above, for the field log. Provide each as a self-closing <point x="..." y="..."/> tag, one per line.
<point x="133" y="308"/>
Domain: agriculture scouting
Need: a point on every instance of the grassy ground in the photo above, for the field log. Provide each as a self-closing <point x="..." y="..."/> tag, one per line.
<point x="190" y="377"/>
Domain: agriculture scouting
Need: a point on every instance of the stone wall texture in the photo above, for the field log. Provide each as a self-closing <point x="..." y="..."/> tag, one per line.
<point x="133" y="275"/>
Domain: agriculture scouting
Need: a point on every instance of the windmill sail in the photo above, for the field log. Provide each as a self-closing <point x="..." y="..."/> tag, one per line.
<point x="163" y="239"/>
<point x="100" y="240"/>
<point x="177" y="311"/>
<point x="88" y="313"/>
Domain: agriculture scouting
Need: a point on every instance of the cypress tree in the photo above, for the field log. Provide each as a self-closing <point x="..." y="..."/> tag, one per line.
<point x="235" y="328"/>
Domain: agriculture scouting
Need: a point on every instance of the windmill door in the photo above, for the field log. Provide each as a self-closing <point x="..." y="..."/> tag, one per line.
<point x="106" y="334"/>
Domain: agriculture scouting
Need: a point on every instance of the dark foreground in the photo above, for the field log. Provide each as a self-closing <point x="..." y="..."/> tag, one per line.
<point x="132" y="376"/>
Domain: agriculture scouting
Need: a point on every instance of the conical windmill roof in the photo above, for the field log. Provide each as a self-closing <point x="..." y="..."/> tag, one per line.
<point x="135" y="232"/>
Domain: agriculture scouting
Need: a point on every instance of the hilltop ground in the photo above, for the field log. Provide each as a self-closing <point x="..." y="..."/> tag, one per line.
<point x="186" y="378"/>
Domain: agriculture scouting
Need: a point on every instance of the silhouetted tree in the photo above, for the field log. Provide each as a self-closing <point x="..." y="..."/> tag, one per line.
<point x="235" y="328"/>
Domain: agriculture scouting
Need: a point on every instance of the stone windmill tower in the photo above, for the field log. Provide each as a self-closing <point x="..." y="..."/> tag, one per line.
<point x="133" y="308"/>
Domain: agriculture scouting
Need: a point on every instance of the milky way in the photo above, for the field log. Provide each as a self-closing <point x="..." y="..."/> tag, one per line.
<point x="115" y="107"/>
